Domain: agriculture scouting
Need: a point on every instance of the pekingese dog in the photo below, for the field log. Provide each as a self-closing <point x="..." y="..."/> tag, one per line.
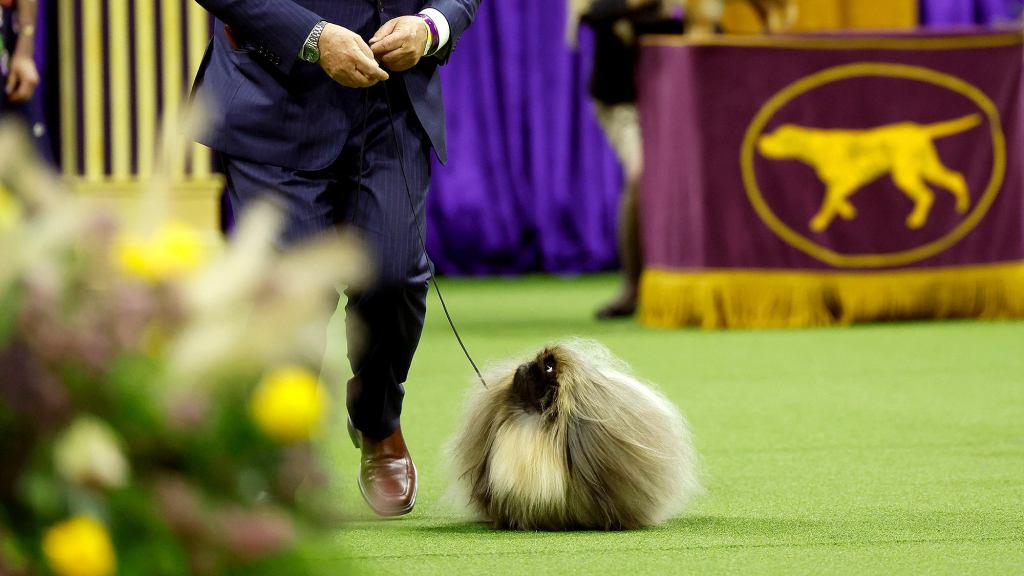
<point x="572" y="440"/>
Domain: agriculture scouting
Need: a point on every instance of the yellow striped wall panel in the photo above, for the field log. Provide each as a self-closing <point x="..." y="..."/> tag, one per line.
<point x="125" y="70"/>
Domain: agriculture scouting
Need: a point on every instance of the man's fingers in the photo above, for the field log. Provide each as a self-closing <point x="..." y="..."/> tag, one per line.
<point x="364" y="49"/>
<point x="365" y="61"/>
<point x="388" y="44"/>
<point x="369" y="67"/>
<point x="395" y="59"/>
<point x="23" y="93"/>
<point x="385" y="30"/>
<point x="400" y="63"/>
<point x="350" y="61"/>
<point x="373" y="72"/>
<point x="12" y="82"/>
<point x="359" y="80"/>
<point x="354" y="78"/>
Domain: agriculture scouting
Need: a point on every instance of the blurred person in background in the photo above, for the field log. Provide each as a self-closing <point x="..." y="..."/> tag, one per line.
<point x="334" y="106"/>
<point x="617" y="24"/>
<point x="17" y="52"/>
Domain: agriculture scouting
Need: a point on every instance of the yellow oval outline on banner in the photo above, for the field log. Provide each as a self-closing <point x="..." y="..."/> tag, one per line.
<point x="903" y="71"/>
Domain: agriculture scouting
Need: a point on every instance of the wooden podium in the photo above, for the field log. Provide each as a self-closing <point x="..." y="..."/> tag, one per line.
<point x="822" y="179"/>
<point x="821" y="15"/>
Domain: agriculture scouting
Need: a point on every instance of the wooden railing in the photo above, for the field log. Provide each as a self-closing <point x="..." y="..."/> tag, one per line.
<point x="125" y="70"/>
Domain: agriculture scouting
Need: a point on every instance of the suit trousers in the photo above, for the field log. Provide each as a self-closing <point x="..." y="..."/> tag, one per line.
<point x="383" y="322"/>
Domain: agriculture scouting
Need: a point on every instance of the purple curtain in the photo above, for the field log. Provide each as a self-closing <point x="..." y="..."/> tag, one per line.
<point x="33" y="113"/>
<point x="962" y="12"/>
<point x="532" y="186"/>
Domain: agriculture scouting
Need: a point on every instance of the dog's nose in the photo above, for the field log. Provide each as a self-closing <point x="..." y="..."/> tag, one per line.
<point x="523" y="385"/>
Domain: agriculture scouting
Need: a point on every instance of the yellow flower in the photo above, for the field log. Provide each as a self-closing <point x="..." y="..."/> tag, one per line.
<point x="173" y="251"/>
<point x="10" y="209"/>
<point x="79" y="547"/>
<point x="288" y="405"/>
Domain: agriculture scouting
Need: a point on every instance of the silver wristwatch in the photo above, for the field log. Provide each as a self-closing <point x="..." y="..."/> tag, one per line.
<point x="311" y="49"/>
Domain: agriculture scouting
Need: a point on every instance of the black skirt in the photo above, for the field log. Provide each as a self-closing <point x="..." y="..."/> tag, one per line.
<point x="612" y="80"/>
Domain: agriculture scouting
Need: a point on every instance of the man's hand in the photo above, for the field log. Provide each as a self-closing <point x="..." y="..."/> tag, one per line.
<point x="23" y="79"/>
<point x="400" y="42"/>
<point x="347" y="59"/>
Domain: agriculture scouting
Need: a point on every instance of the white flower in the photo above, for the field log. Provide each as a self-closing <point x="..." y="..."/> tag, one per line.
<point x="89" y="454"/>
<point x="258" y="306"/>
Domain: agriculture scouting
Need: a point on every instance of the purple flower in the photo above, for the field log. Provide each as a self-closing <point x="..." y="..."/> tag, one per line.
<point x="251" y="535"/>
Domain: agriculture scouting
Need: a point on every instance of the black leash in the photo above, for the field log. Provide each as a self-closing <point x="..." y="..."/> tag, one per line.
<point x="412" y="208"/>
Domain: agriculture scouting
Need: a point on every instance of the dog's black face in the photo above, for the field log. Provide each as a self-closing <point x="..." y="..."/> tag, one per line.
<point x="535" y="385"/>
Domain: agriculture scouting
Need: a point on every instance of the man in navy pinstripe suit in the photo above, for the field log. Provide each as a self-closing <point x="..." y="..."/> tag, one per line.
<point x="298" y="90"/>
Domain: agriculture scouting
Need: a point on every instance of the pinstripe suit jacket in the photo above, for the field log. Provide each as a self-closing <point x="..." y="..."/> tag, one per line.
<point x="270" y="107"/>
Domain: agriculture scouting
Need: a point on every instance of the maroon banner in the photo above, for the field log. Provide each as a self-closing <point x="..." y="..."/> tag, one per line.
<point x="842" y="153"/>
<point x="746" y="146"/>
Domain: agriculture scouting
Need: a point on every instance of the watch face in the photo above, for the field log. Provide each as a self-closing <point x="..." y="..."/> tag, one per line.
<point x="310" y="55"/>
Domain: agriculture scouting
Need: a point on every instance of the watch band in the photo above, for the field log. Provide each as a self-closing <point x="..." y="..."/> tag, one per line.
<point x="311" y="49"/>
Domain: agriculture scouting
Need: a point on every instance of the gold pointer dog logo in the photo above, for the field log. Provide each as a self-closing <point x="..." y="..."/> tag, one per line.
<point x="848" y="160"/>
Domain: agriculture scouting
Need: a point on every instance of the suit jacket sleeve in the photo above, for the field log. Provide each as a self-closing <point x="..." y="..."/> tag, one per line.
<point x="281" y="26"/>
<point x="460" y="14"/>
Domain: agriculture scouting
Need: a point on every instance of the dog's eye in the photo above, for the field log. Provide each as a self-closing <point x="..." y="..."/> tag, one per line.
<point x="549" y="366"/>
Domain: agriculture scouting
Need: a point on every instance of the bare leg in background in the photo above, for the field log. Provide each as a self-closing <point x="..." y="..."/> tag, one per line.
<point x="622" y="127"/>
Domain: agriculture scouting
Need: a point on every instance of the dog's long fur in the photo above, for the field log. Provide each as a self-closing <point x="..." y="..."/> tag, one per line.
<point x="571" y="440"/>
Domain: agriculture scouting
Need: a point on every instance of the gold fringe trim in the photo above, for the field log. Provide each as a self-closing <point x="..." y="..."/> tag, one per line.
<point x="777" y="299"/>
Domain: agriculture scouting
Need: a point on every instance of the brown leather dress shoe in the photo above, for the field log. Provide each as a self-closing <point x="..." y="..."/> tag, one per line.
<point x="387" y="476"/>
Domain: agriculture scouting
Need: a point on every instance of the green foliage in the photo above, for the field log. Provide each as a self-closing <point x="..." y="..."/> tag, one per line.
<point x="43" y="493"/>
<point x="160" y="554"/>
<point x="10" y="301"/>
<point x="12" y="559"/>
<point x="134" y="403"/>
<point x="103" y="415"/>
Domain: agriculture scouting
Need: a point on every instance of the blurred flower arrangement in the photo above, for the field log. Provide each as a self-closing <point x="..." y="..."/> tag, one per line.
<point x="157" y="410"/>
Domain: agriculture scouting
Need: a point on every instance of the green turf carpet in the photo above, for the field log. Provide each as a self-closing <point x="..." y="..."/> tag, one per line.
<point x="869" y="450"/>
